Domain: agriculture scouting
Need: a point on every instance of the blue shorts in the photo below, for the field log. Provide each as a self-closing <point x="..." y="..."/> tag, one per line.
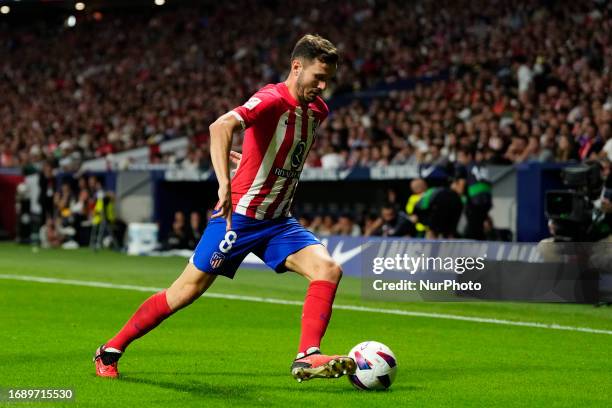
<point x="221" y="253"/>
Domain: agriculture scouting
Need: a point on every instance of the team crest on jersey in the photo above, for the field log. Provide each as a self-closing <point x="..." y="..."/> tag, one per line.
<point x="298" y="155"/>
<point x="251" y="103"/>
<point x="216" y="260"/>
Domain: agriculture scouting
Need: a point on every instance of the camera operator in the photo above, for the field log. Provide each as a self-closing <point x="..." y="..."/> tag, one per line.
<point x="583" y="212"/>
<point x="603" y="225"/>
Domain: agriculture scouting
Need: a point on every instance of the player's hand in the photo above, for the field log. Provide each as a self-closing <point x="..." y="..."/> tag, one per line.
<point x="224" y="206"/>
<point x="235" y="157"/>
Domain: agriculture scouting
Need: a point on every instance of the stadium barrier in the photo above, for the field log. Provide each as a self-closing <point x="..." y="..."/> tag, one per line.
<point x="9" y="180"/>
<point x="155" y="193"/>
<point x="343" y="190"/>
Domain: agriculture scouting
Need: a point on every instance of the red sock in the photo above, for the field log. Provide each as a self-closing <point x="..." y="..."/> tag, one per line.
<point x="151" y="313"/>
<point x="316" y="313"/>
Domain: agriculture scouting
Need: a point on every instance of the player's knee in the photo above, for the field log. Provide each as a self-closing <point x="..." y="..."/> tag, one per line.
<point x="329" y="270"/>
<point x="186" y="295"/>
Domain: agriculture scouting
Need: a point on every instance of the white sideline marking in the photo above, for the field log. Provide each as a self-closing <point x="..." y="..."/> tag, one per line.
<point x="297" y="303"/>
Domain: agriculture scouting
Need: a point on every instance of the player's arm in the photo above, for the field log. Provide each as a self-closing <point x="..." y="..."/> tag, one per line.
<point x="221" y="132"/>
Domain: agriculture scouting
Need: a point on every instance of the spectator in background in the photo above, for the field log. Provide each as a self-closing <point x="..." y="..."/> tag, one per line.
<point x="323" y="226"/>
<point x="558" y="76"/>
<point x="392" y="199"/>
<point x="49" y="234"/>
<point x="95" y="188"/>
<point x="590" y="142"/>
<point x="64" y="201"/>
<point x="346" y="226"/>
<point x="177" y="238"/>
<point x="80" y="211"/>
<point x="332" y="159"/>
<point x="547" y="151"/>
<point x="524" y="78"/>
<point x="391" y="223"/>
<point x="434" y="157"/>
<point x="417" y="187"/>
<point x="517" y="151"/>
<point x="195" y="229"/>
<point x="104" y="221"/>
<point x="46" y="184"/>
<point x="439" y="209"/>
<point x="606" y="136"/>
<point x="305" y="220"/>
<point x="473" y="184"/>
<point x="316" y="223"/>
<point x="191" y="161"/>
<point x="566" y="149"/>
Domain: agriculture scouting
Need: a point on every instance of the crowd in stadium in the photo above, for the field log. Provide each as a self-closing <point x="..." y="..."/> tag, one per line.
<point x="78" y="213"/>
<point x="515" y="81"/>
<point x="520" y="80"/>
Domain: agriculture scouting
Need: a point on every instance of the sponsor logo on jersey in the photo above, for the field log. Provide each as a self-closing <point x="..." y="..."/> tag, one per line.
<point x="286" y="173"/>
<point x="216" y="260"/>
<point x="251" y="103"/>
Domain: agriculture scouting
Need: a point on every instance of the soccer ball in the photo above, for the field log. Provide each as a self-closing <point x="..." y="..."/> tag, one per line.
<point x="376" y="366"/>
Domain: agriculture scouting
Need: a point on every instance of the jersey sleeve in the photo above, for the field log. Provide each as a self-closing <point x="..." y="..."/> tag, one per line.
<point x="260" y="105"/>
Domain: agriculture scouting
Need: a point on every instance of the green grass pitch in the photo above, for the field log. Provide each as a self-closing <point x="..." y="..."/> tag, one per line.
<point x="229" y="352"/>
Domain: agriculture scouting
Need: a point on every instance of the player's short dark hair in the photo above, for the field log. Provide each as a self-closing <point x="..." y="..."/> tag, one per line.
<point x="313" y="46"/>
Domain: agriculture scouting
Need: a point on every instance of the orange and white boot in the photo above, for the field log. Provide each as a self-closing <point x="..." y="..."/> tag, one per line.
<point x="313" y="364"/>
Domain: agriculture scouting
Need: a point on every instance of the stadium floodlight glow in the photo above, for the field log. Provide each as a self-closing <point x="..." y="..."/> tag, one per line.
<point x="160" y="2"/>
<point x="5" y="9"/>
<point x="80" y="6"/>
<point x="71" y="21"/>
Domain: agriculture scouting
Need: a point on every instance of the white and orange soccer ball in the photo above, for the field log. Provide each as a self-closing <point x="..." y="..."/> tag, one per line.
<point x="376" y="366"/>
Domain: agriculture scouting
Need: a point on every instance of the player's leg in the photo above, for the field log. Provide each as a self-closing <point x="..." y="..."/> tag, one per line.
<point x="186" y="288"/>
<point x="316" y="264"/>
<point x="219" y="252"/>
<point x="292" y="247"/>
<point x="323" y="273"/>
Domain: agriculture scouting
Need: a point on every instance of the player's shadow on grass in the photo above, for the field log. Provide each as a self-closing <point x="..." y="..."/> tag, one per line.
<point x="239" y="393"/>
<point x="199" y="389"/>
<point x="210" y="373"/>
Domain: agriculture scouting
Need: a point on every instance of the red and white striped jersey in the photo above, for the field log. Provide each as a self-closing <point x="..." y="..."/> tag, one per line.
<point x="279" y="134"/>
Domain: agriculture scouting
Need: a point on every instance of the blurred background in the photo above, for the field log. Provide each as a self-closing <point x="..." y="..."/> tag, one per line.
<point x="479" y="120"/>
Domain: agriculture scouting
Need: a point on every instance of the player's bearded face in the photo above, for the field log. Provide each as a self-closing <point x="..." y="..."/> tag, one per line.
<point x="313" y="79"/>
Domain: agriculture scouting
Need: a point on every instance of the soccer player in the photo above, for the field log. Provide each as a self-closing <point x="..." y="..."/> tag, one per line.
<point x="252" y="214"/>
